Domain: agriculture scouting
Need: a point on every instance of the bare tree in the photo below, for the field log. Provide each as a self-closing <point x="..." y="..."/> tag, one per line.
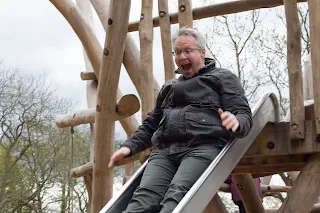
<point x="28" y="147"/>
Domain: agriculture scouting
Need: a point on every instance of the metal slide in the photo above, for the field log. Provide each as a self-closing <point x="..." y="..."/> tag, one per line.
<point x="266" y="110"/>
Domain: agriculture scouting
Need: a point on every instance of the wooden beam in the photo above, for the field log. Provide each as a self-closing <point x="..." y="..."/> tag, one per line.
<point x="306" y="189"/>
<point x="264" y="188"/>
<point x="314" y="8"/>
<point x="265" y="164"/>
<point x="125" y="107"/>
<point x="294" y="70"/>
<point x="107" y="93"/>
<point x="267" y="170"/>
<point x="85" y="76"/>
<point x="215" y="206"/>
<point x="218" y="9"/>
<point x="83" y="170"/>
<point x="164" y="22"/>
<point x="248" y="193"/>
<point x="185" y="13"/>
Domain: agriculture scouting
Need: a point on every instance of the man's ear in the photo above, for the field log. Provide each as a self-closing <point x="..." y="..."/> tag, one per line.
<point x="203" y="52"/>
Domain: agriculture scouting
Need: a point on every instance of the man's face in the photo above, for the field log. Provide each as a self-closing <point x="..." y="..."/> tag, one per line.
<point x="190" y="60"/>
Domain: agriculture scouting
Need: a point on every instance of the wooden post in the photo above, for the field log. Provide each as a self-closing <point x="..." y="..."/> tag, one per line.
<point x="164" y="21"/>
<point x="91" y="90"/>
<point x="294" y="70"/>
<point x="307" y="78"/>
<point x="146" y="38"/>
<point x="215" y="206"/>
<point x="185" y="13"/>
<point x="88" y="182"/>
<point x="306" y="188"/>
<point x="314" y="8"/>
<point x="107" y="93"/>
<point x="248" y="193"/>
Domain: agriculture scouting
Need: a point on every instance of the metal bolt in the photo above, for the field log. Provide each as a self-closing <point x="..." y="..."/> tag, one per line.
<point x="182" y="8"/>
<point x="141" y="17"/>
<point x="110" y="21"/>
<point x="294" y="126"/>
<point x="161" y="14"/>
<point x="239" y="187"/>
<point x="270" y="145"/>
<point x="105" y="52"/>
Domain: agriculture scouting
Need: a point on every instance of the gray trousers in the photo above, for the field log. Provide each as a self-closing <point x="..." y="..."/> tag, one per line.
<point x="168" y="177"/>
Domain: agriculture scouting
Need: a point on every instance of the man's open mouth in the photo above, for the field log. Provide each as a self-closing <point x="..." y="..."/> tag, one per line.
<point x="186" y="66"/>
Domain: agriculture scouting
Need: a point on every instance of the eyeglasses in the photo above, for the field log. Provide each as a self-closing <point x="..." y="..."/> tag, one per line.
<point x="186" y="51"/>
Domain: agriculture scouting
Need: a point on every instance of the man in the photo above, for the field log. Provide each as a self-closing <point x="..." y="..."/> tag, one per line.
<point x="194" y="117"/>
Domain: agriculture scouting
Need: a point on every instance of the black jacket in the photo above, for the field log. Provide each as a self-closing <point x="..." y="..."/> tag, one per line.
<point x="186" y="111"/>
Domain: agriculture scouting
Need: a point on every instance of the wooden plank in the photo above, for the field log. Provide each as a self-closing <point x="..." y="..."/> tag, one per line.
<point x="218" y="9"/>
<point x="106" y="100"/>
<point x="185" y="13"/>
<point x="146" y="41"/>
<point x="125" y="107"/>
<point x="274" y="140"/>
<point x="306" y="189"/>
<point x="314" y="8"/>
<point x="271" y="169"/>
<point x="248" y="192"/>
<point x="215" y="206"/>
<point x="271" y="160"/>
<point x="294" y="70"/>
<point x="164" y="22"/>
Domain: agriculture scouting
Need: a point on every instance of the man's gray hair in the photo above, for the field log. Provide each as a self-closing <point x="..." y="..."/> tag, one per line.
<point x="185" y="31"/>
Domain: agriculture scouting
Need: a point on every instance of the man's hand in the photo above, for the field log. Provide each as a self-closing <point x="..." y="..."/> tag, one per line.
<point x="119" y="154"/>
<point x="229" y="120"/>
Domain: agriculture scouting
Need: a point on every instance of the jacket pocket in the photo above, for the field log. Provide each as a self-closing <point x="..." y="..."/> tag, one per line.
<point x="202" y="126"/>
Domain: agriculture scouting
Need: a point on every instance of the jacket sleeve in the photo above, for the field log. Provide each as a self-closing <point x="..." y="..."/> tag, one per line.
<point x="234" y="100"/>
<point x="141" y="138"/>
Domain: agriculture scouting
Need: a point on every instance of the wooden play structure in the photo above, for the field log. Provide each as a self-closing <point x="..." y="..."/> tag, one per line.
<point x="272" y="147"/>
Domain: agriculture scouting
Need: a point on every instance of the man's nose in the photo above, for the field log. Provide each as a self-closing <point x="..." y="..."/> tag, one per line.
<point x="183" y="55"/>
